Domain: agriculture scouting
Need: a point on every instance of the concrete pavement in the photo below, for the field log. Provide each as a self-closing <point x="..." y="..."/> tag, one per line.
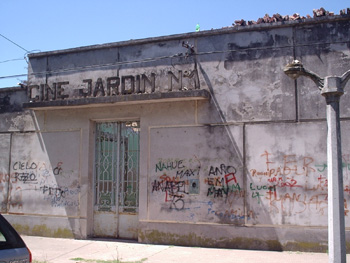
<point x="58" y="250"/>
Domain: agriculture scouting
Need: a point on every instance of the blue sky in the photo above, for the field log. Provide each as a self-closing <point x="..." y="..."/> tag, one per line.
<point x="38" y="25"/>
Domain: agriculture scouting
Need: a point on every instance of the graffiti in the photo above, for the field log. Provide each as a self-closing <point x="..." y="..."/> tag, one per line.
<point x="29" y="171"/>
<point x="174" y="190"/>
<point x="44" y="171"/>
<point x="294" y="203"/>
<point x="322" y="167"/>
<point x="322" y="184"/>
<point x="283" y="182"/>
<point x="169" y="186"/>
<point x="166" y="186"/>
<point x="230" y="177"/>
<point x="187" y="173"/>
<point x="60" y="196"/>
<point x="179" y="167"/>
<point x="215" y="181"/>
<point x="256" y="190"/>
<point x="180" y="181"/>
<point x="262" y="187"/>
<point x="34" y="175"/>
<point x="223" y="191"/>
<point x="56" y="202"/>
<point x="232" y="214"/>
<point x="290" y="166"/>
<point x="25" y="178"/>
<point x="224" y="188"/>
<point x="222" y="181"/>
<point x="169" y="165"/>
<point x="4" y="178"/>
<point x="24" y="166"/>
<point x="283" y="172"/>
<point x="347" y="189"/>
<point x="57" y="191"/>
<point x="345" y="164"/>
<point x="58" y="169"/>
<point x="291" y="185"/>
<point x="177" y="202"/>
<point x="222" y="170"/>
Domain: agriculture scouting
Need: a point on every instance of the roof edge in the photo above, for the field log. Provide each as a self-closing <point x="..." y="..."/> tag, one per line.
<point x="225" y="30"/>
<point x="12" y="89"/>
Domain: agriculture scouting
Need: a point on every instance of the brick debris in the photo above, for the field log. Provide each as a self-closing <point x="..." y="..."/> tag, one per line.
<point x="279" y="18"/>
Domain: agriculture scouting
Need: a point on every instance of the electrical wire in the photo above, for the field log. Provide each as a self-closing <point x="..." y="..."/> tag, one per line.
<point x="147" y="60"/>
<point x="10" y="60"/>
<point x="16" y="59"/>
<point x="14" y="76"/>
<point x="14" y="43"/>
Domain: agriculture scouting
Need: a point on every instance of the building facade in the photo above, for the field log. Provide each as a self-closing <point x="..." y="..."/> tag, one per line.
<point x="195" y="139"/>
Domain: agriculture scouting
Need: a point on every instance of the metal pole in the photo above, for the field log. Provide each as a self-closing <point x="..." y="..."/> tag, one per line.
<point x="332" y="88"/>
<point x="332" y="91"/>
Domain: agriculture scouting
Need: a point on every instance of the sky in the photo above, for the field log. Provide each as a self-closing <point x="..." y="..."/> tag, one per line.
<point x="48" y="25"/>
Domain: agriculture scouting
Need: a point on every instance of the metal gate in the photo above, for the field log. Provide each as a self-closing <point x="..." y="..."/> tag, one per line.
<point x="116" y="184"/>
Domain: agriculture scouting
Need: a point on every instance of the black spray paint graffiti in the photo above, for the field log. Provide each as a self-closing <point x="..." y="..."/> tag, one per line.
<point x="183" y="182"/>
<point x="33" y="175"/>
<point x="25" y="172"/>
<point x="179" y="167"/>
<point x="174" y="191"/>
<point x="58" y="169"/>
<point x="25" y="178"/>
<point x="222" y="181"/>
<point x="224" y="186"/>
<point x="29" y="172"/>
<point x="61" y="196"/>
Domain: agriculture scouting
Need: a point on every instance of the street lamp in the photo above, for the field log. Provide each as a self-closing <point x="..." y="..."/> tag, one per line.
<point x="332" y="88"/>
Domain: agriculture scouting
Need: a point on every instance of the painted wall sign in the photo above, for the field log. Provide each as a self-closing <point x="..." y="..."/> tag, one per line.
<point x="113" y="86"/>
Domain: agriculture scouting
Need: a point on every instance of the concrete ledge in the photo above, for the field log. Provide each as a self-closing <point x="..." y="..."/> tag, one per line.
<point x="235" y="237"/>
<point x="55" y="226"/>
<point x="122" y="99"/>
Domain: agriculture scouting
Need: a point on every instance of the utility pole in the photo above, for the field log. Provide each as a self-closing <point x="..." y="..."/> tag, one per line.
<point x="332" y="88"/>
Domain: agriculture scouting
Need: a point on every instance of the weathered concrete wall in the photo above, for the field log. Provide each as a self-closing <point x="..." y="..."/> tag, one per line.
<point x="11" y="99"/>
<point x="246" y="168"/>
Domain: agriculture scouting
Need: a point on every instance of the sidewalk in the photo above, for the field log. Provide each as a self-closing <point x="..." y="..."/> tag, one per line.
<point x="58" y="250"/>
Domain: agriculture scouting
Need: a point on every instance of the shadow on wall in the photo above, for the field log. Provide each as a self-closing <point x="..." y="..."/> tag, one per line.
<point x="44" y="183"/>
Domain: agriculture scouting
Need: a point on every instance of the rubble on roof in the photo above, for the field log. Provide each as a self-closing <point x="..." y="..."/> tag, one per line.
<point x="278" y="18"/>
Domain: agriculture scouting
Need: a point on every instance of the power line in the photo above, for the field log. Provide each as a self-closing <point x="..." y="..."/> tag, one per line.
<point x="147" y="60"/>
<point x="10" y="60"/>
<point x="14" y="43"/>
<point x="13" y="76"/>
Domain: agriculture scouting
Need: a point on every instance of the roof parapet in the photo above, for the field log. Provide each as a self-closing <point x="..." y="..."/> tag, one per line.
<point x="279" y="18"/>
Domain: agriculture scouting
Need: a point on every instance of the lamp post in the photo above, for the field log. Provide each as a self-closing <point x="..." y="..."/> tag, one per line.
<point x="332" y="88"/>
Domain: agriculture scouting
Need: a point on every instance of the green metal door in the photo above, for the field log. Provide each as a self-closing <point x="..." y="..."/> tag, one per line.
<point x="116" y="184"/>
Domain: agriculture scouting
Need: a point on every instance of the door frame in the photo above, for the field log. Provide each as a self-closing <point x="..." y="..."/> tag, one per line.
<point x="115" y="223"/>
